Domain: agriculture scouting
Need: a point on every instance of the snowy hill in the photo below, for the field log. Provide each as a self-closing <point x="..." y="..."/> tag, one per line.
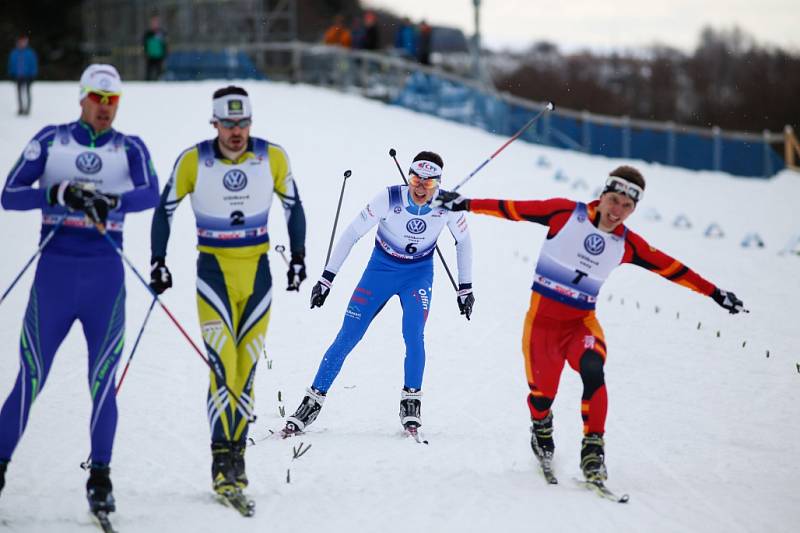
<point x="702" y="430"/>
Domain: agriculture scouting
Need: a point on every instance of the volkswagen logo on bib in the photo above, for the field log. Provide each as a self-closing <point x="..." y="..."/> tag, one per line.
<point x="594" y="244"/>
<point x="416" y="226"/>
<point x="235" y="180"/>
<point x="89" y="163"/>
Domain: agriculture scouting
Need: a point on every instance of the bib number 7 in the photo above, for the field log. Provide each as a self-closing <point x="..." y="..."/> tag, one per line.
<point x="579" y="277"/>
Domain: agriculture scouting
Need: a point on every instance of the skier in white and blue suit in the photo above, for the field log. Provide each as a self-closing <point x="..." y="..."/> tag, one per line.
<point x="402" y="265"/>
<point x="89" y="176"/>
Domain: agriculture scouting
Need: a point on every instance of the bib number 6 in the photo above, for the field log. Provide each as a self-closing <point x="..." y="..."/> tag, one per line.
<point x="411" y="249"/>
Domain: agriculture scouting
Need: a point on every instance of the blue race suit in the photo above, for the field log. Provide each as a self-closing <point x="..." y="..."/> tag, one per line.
<point x="402" y="265"/>
<point x="79" y="275"/>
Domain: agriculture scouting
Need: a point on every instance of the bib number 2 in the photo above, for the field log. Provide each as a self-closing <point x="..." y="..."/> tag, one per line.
<point x="237" y="218"/>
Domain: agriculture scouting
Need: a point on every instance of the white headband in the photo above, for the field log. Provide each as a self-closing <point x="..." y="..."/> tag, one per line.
<point x="426" y="169"/>
<point x="231" y="106"/>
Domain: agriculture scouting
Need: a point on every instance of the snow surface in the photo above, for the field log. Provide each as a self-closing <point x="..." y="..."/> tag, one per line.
<point x="702" y="431"/>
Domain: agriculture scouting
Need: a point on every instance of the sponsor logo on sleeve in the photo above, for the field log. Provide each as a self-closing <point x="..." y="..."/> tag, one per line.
<point x="32" y="151"/>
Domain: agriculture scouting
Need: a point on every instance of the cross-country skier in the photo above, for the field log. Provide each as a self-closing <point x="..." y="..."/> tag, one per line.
<point x="231" y="180"/>
<point x="584" y="244"/>
<point x="90" y="176"/>
<point x="402" y="265"/>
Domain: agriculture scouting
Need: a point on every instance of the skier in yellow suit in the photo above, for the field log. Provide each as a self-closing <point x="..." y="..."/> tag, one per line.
<point x="231" y="180"/>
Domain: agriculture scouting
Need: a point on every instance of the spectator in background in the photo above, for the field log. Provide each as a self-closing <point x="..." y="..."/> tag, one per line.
<point x="338" y="34"/>
<point x="371" y="35"/>
<point x="23" y="67"/>
<point x="358" y="33"/>
<point x="155" y="49"/>
<point x="424" y="43"/>
<point x="405" y="40"/>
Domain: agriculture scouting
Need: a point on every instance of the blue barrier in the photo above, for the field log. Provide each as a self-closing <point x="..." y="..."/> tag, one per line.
<point x="203" y="65"/>
<point x="455" y="101"/>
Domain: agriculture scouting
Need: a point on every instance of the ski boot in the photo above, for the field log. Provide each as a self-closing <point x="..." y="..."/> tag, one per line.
<point x="542" y="437"/>
<point x="593" y="458"/>
<point x="410" y="409"/>
<point x="98" y="490"/>
<point x="237" y="451"/>
<point x="306" y="413"/>
<point x="223" y="473"/>
<point x="3" y="466"/>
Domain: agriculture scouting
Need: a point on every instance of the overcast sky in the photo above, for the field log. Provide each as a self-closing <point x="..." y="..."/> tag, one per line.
<point x="607" y="24"/>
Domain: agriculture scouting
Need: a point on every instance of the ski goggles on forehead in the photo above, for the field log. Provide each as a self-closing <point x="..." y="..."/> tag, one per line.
<point x="230" y="123"/>
<point x="103" y="97"/>
<point x="428" y="183"/>
<point x="631" y="190"/>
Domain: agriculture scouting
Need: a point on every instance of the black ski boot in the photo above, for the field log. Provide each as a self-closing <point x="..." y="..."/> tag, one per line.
<point x="410" y="409"/>
<point x="593" y="458"/>
<point x="238" y="463"/>
<point x="307" y="412"/>
<point x="542" y="437"/>
<point x="3" y="466"/>
<point x="98" y="489"/>
<point x="223" y="473"/>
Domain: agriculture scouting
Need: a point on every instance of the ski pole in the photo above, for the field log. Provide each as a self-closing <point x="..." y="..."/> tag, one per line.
<point x="393" y="155"/>
<point x="280" y="249"/>
<point x="347" y="174"/>
<point x="211" y="365"/>
<point x="548" y="107"/>
<point x="135" y="344"/>
<point x="33" y="257"/>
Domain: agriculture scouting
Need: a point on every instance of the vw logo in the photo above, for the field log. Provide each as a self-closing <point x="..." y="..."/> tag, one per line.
<point x="235" y="180"/>
<point x="416" y="226"/>
<point x="594" y="244"/>
<point x="89" y="163"/>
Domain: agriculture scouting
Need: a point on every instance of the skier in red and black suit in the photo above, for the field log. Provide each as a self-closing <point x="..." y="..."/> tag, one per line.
<point x="584" y="244"/>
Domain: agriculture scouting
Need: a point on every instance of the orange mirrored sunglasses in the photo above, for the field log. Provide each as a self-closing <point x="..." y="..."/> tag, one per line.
<point x="429" y="183"/>
<point x="100" y="97"/>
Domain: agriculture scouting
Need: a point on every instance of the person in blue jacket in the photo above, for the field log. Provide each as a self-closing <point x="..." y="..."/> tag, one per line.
<point x="89" y="176"/>
<point x="23" y="67"/>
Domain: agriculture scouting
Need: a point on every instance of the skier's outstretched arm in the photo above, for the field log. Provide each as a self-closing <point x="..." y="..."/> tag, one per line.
<point x="539" y="211"/>
<point x="640" y="253"/>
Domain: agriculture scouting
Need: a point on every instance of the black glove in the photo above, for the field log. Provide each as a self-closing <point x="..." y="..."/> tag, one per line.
<point x="452" y="201"/>
<point x="297" y="271"/>
<point x="160" y="276"/>
<point x="465" y="299"/>
<point x="321" y="289"/>
<point x="728" y="300"/>
<point x="94" y="204"/>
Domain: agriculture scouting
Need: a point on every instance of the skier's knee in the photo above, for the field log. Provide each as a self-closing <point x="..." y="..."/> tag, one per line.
<point x="540" y="403"/>
<point x="592" y="373"/>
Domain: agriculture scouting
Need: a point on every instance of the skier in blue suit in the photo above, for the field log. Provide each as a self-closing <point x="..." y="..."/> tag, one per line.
<point x="402" y="265"/>
<point x="90" y="176"/>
